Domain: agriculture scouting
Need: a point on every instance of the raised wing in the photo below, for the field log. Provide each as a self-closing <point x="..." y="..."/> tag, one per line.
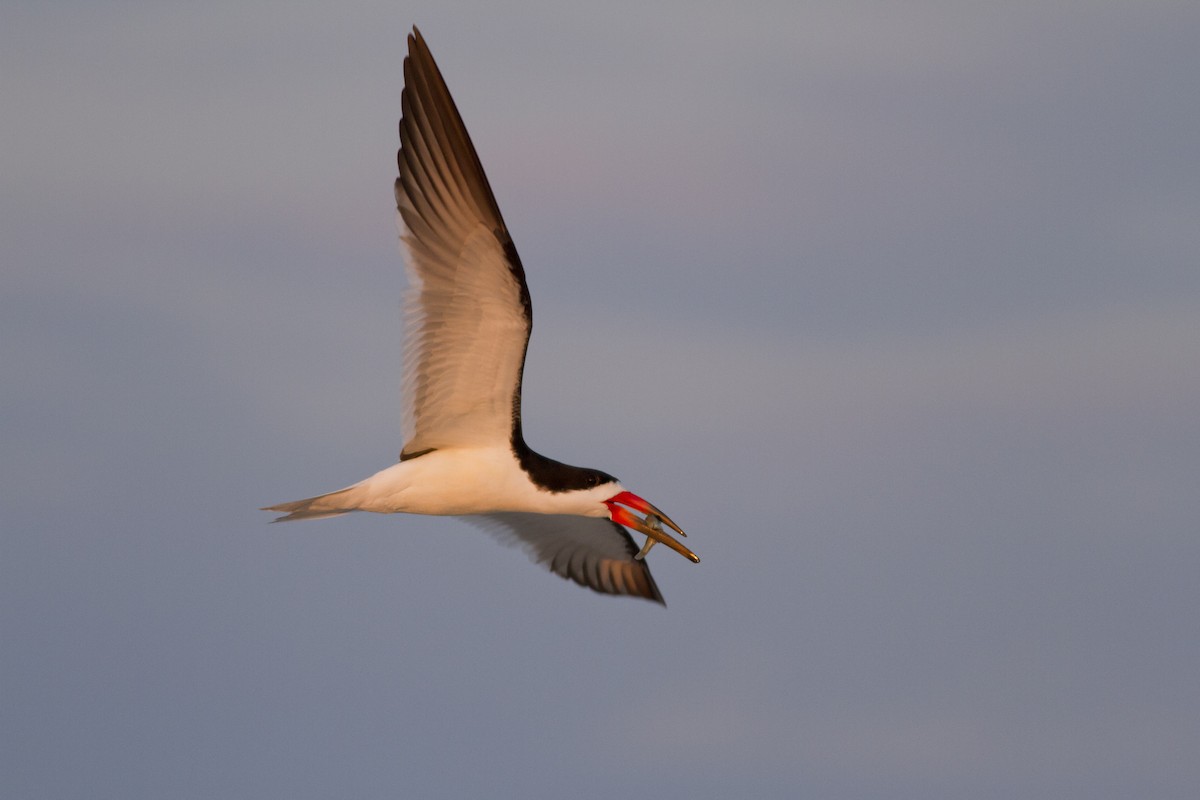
<point x="467" y="310"/>
<point x="592" y="551"/>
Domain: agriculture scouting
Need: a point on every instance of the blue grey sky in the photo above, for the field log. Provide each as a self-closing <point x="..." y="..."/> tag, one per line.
<point x="895" y="307"/>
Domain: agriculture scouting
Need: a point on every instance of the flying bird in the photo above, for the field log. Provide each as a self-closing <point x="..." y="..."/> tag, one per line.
<point x="467" y="322"/>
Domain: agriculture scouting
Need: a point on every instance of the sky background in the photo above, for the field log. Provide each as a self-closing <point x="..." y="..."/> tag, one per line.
<point x="895" y="307"/>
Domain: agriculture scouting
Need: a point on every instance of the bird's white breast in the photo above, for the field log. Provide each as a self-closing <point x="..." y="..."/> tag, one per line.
<point x="471" y="481"/>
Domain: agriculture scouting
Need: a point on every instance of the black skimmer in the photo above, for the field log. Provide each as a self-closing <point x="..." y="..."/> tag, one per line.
<point x="467" y="324"/>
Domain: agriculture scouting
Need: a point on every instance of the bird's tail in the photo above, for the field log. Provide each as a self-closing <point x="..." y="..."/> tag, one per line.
<point x="334" y="504"/>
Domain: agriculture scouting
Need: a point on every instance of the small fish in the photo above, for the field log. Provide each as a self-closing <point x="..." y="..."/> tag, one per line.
<point x="654" y="523"/>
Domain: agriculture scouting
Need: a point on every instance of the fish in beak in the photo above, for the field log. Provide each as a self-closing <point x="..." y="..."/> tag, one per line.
<point x="619" y="506"/>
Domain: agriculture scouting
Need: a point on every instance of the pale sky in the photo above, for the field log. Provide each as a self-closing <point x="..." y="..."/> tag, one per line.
<point x="895" y="308"/>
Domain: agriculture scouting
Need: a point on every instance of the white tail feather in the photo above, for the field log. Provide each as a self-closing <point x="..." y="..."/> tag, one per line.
<point x="333" y="504"/>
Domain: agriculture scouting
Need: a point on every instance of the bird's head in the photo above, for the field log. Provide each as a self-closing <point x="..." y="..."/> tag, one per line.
<point x="621" y="506"/>
<point x="592" y="493"/>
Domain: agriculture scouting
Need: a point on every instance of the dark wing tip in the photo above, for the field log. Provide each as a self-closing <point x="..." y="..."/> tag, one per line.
<point x="630" y="578"/>
<point x="638" y="582"/>
<point x="445" y="177"/>
<point x="597" y="554"/>
<point x="655" y="596"/>
<point x="652" y="593"/>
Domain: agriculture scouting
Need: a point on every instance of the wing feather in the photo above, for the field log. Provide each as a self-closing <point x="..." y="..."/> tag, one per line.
<point x="467" y="310"/>
<point x="591" y="551"/>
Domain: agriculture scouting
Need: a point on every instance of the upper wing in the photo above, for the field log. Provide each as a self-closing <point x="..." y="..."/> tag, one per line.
<point x="467" y="310"/>
<point x="592" y="551"/>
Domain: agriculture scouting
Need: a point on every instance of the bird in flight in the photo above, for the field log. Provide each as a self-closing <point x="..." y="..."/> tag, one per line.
<point x="467" y="322"/>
